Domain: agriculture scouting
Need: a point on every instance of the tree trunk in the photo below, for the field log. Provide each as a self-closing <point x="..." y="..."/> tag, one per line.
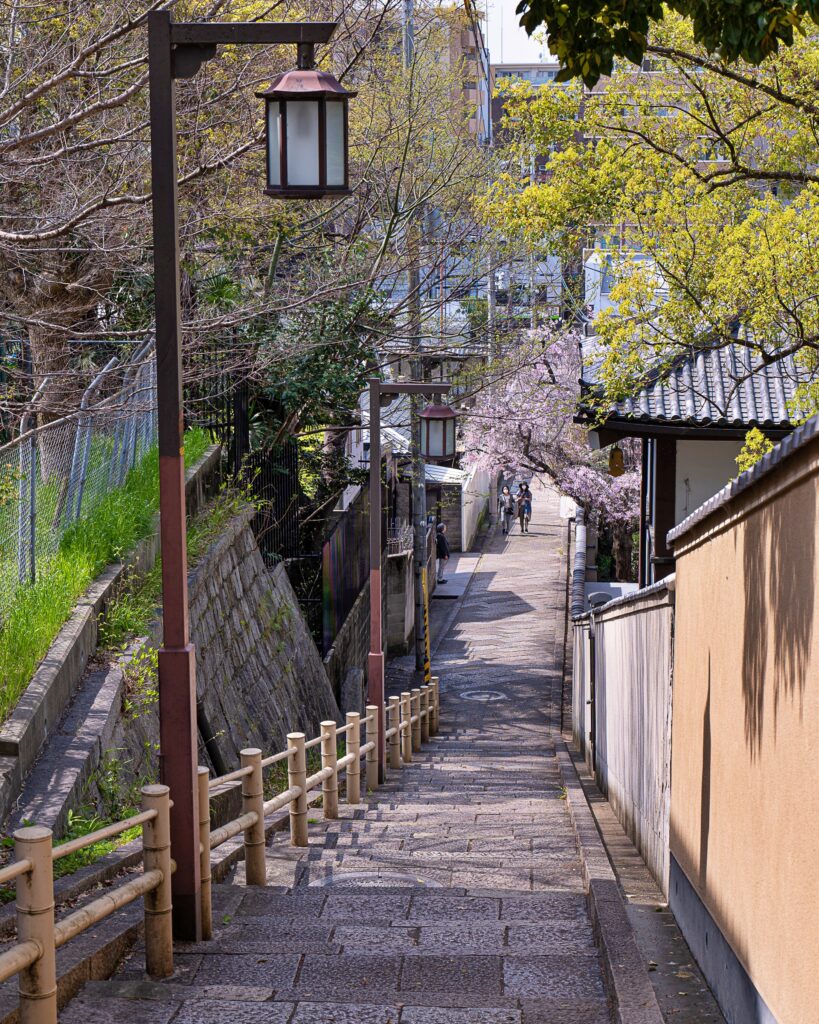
<point x="50" y="358"/>
<point x="623" y="547"/>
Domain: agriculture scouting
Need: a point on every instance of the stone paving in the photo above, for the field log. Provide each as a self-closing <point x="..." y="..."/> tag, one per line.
<point x="454" y="896"/>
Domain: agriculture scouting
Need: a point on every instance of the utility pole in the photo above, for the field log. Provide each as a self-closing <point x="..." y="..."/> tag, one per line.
<point x="419" y="485"/>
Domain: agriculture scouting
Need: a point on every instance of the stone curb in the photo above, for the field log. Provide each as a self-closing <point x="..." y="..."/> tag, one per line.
<point x="94" y="955"/>
<point x="630" y="990"/>
<point x="58" y="675"/>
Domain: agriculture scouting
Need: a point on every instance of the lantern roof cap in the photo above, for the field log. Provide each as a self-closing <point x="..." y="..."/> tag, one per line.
<point x="438" y="412"/>
<point x="304" y="83"/>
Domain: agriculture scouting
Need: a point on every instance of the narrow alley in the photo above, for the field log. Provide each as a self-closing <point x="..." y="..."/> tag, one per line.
<point x="455" y="896"/>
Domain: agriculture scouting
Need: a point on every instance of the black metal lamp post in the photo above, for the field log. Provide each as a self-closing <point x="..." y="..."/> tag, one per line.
<point x="175" y="51"/>
<point x="378" y="391"/>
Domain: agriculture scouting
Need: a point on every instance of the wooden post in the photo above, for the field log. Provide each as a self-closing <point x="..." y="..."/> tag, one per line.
<point x="395" y="739"/>
<point x="425" y="705"/>
<point x="297" y="776"/>
<point x="35" y="921"/>
<point x="156" y="855"/>
<point x="436" y="705"/>
<point x="415" y="704"/>
<point x="253" y="800"/>
<point x="329" y="759"/>
<point x="203" y="778"/>
<point x="406" y="735"/>
<point x="372" y="755"/>
<point x="354" y="767"/>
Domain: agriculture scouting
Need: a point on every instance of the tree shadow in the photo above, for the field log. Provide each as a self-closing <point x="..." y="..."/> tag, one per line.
<point x="778" y="562"/>
<point x="705" y="784"/>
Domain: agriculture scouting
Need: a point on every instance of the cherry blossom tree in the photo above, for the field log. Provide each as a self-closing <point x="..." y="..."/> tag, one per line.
<point x="523" y="422"/>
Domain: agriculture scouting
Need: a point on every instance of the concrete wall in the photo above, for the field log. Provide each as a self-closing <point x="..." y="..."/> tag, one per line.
<point x="622" y="664"/>
<point x="745" y="804"/>
<point x="703" y="468"/>
<point x="258" y="672"/>
<point x="400" y="586"/>
<point x="632" y="691"/>
<point x="474" y="505"/>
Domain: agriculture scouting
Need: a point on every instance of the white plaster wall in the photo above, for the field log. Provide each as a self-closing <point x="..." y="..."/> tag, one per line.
<point x="703" y="468"/>
<point x="474" y="500"/>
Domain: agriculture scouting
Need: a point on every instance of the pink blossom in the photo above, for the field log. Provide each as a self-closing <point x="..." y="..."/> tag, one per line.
<point x="523" y="421"/>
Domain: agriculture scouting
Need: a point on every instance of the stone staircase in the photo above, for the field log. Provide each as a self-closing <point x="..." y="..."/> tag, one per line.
<point x="436" y="903"/>
<point x="454" y="895"/>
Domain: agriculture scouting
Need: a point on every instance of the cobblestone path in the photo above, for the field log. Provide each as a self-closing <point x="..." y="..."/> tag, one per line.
<point x="454" y="896"/>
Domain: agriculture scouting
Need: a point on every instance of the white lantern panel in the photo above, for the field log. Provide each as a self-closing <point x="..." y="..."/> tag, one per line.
<point x="274" y="162"/>
<point x="436" y="438"/>
<point x="450" y="438"/>
<point x="302" y="142"/>
<point x="335" y="143"/>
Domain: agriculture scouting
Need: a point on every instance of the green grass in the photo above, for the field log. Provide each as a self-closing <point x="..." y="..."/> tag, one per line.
<point x="105" y="535"/>
<point x="131" y="613"/>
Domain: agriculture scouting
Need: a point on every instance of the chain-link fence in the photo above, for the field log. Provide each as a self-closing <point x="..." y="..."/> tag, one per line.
<point x="55" y="474"/>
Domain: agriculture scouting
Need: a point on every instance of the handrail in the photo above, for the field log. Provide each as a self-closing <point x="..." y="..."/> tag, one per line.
<point x="108" y="832"/>
<point x="33" y="955"/>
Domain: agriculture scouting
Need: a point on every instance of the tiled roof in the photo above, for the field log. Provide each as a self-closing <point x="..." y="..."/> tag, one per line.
<point x="728" y="387"/>
<point x="801" y="436"/>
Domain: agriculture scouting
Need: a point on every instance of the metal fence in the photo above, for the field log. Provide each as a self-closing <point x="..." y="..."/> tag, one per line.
<point x="55" y="474"/>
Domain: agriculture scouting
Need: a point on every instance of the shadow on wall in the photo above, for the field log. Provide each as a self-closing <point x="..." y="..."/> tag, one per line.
<point x="705" y="786"/>
<point x="779" y="600"/>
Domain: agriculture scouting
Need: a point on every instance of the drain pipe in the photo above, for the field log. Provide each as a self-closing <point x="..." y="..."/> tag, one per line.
<point x="209" y="739"/>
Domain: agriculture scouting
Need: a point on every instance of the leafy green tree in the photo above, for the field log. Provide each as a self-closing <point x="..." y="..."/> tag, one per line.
<point x="590" y="35"/>
<point x="700" y="185"/>
<point x="756" y="447"/>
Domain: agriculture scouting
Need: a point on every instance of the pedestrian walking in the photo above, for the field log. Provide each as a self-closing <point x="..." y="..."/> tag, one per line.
<point x="506" y="508"/>
<point x="524" y="504"/>
<point x="441" y="550"/>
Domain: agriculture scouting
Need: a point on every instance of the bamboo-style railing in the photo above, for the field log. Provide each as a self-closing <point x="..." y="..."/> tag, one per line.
<point x="407" y="722"/>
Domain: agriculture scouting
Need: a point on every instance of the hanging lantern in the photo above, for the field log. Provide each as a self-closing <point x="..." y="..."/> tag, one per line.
<point x="617" y="466"/>
<point x="438" y="432"/>
<point x="307" y="137"/>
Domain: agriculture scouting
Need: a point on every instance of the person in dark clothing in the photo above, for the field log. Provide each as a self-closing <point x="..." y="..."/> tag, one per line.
<point x="506" y="508"/>
<point x="441" y="550"/>
<point x="524" y="502"/>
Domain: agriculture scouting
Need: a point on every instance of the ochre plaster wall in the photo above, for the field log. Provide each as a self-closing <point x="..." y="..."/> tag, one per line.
<point x="745" y="758"/>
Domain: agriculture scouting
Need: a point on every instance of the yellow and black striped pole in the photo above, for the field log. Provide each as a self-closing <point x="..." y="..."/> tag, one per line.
<point x="427" y="659"/>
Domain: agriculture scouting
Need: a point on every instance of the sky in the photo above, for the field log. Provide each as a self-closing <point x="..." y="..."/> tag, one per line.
<point x="507" y="41"/>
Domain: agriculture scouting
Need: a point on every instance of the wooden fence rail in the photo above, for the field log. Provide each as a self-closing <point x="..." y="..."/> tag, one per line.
<point x="406" y="722"/>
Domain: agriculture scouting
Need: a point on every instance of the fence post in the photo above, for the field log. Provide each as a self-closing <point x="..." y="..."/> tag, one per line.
<point x="297" y="776"/>
<point x="395" y="739"/>
<point x="253" y="800"/>
<point x="329" y="759"/>
<point x="425" y="704"/>
<point x="354" y="749"/>
<point x="372" y="755"/>
<point x="203" y="780"/>
<point x="406" y="734"/>
<point x="415" y="705"/>
<point x="436" y="705"/>
<point x="156" y="855"/>
<point x="35" y="921"/>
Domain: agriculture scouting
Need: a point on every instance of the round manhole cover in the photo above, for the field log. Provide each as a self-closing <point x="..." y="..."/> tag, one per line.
<point x="377" y="880"/>
<point x="483" y="696"/>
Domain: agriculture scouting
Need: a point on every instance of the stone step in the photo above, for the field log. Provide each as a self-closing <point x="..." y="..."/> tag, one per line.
<point x="115" y="1002"/>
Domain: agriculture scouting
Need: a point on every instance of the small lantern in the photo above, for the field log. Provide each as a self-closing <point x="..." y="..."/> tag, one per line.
<point x="617" y="466"/>
<point x="306" y="118"/>
<point x="438" y="432"/>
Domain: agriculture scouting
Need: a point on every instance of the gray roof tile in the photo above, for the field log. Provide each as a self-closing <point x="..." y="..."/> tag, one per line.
<point x="729" y="387"/>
